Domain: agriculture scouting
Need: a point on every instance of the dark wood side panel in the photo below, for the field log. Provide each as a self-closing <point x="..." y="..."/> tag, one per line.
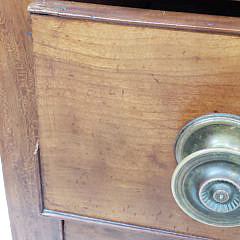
<point x="18" y="125"/>
<point x="139" y="17"/>
<point x="96" y="231"/>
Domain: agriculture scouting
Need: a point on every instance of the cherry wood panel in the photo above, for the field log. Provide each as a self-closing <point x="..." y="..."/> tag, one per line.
<point x="137" y="16"/>
<point x="96" y="231"/>
<point x="18" y="125"/>
<point x="111" y="100"/>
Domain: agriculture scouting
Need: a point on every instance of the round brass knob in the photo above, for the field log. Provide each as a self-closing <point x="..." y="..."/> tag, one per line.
<point x="206" y="182"/>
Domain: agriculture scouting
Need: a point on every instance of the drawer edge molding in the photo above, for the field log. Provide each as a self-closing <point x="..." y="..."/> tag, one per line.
<point x="139" y="17"/>
<point x="163" y="234"/>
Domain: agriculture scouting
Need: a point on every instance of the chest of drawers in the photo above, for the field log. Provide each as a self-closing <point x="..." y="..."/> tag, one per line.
<point x="114" y="86"/>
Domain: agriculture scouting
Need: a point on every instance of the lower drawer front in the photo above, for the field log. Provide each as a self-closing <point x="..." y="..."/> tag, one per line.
<point x="111" y="100"/>
<point x="95" y="231"/>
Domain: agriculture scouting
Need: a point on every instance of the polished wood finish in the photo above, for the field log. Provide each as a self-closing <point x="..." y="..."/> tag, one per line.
<point x="139" y="17"/>
<point x="96" y="231"/>
<point x="18" y="125"/>
<point x="109" y="230"/>
<point x="111" y="100"/>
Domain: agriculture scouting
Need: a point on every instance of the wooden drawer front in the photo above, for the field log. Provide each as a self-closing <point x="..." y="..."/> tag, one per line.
<point x="111" y="100"/>
<point x="95" y="231"/>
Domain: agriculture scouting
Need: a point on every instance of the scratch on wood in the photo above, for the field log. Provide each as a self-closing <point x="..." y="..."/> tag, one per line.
<point x="36" y="148"/>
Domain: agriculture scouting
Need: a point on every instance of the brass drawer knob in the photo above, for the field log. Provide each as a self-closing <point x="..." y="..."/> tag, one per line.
<point x="206" y="182"/>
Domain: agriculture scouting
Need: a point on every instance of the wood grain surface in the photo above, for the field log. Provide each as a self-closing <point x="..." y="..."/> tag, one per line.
<point x="18" y="125"/>
<point x="95" y="231"/>
<point x="111" y="100"/>
<point x="139" y="17"/>
<point x="83" y="227"/>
